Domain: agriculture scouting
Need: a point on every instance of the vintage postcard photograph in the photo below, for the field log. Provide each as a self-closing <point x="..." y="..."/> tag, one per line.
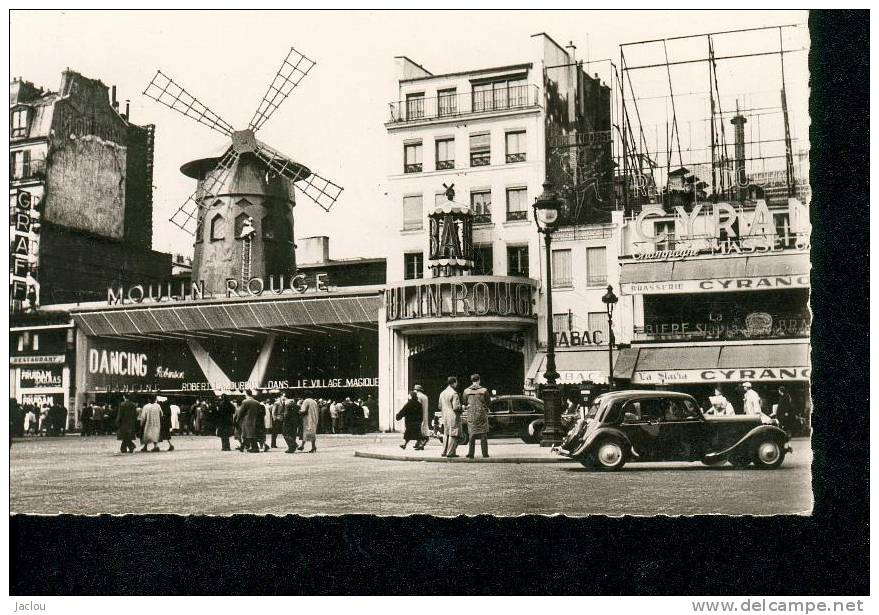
<point x="452" y="263"/>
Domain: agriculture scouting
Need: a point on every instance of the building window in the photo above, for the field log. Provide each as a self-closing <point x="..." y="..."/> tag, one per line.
<point x="448" y="102"/>
<point x="666" y="227"/>
<point x="413" y="264"/>
<point x="480" y="205"/>
<point x="483" y="260"/>
<point x="413" y="212"/>
<point x="480" y="150"/>
<point x="517" y="261"/>
<point x="597" y="321"/>
<point x="414" y="106"/>
<point x="517" y="209"/>
<point x="561" y="323"/>
<point x="19" y="164"/>
<point x="500" y="94"/>
<point x="445" y="154"/>
<point x="561" y="269"/>
<point x="516" y="146"/>
<point x="596" y="266"/>
<point x="36" y="342"/>
<point x="19" y="123"/>
<point x="21" y="342"/>
<point x="783" y="236"/>
<point x="412" y="158"/>
<point x="218" y="228"/>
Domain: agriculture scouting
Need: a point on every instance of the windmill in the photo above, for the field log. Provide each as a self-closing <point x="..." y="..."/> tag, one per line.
<point x="246" y="183"/>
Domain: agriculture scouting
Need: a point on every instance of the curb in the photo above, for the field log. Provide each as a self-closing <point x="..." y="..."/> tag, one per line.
<point x="387" y="457"/>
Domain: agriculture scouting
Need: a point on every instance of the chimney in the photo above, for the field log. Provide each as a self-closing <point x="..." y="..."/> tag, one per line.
<point x="572" y="50"/>
<point x="739" y="164"/>
<point x="113" y="100"/>
<point x="127" y="115"/>
<point x="313" y="250"/>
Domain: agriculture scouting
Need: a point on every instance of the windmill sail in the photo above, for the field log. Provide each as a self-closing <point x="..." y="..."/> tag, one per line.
<point x="293" y="69"/>
<point x="186" y="216"/>
<point x="323" y="192"/>
<point x="163" y="89"/>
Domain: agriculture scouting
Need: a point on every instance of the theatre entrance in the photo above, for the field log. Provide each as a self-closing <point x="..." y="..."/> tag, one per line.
<point x="498" y="359"/>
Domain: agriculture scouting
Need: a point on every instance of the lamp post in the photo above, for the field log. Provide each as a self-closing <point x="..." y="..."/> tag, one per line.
<point x="610" y="300"/>
<point x="546" y="216"/>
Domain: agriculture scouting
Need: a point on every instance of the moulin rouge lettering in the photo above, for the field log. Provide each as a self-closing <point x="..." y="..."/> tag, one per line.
<point x="192" y="291"/>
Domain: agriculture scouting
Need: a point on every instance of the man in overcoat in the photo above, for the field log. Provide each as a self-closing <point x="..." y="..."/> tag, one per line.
<point x="126" y="425"/>
<point x="290" y="429"/>
<point x="450" y="407"/>
<point x="476" y="399"/>
<point x="253" y="423"/>
<point x="225" y="421"/>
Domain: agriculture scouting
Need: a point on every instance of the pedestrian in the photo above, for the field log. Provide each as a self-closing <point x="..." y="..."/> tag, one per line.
<point x="291" y="423"/>
<point x="309" y="412"/>
<point x="85" y="420"/>
<point x="752" y="401"/>
<point x="450" y="408"/>
<point x="371" y="410"/>
<point x="477" y="400"/>
<point x="425" y="414"/>
<point x="277" y="419"/>
<point x="410" y="414"/>
<point x="336" y="410"/>
<point x="253" y="422"/>
<point x="784" y="411"/>
<point x="151" y="426"/>
<point x="175" y="418"/>
<point x="264" y="427"/>
<point x="30" y="421"/>
<point x="166" y="422"/>
<point x="720" y="405"/>
<point x="238" y="424"/>
<point x="57" y="419"/>
<point x="126" y="425"/>
<point x="225" y="421"/>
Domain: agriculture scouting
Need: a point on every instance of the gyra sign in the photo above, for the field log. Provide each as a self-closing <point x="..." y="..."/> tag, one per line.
<point x="460" y="297"/>
<point x="192" y="291"/>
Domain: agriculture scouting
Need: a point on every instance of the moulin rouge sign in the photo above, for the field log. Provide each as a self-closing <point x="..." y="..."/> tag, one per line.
<point x="192" y="291"/>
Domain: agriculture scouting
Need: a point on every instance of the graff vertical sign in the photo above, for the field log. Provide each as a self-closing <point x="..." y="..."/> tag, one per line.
<point x="24" y="286"/>
<point x="459" y="298"/>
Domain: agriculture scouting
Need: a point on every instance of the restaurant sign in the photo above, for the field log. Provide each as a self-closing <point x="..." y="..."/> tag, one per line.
<point x="707" y="376"/>
<point x="40" y="377"/>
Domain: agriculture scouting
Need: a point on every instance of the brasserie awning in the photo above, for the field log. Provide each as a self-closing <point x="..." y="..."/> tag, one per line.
<point x="667" y="365"/>
<point x="248" y="317"/>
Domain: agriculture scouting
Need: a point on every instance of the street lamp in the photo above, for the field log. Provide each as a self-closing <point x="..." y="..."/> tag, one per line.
<point x="546" y="216"/>
<point x="610" y="300"/>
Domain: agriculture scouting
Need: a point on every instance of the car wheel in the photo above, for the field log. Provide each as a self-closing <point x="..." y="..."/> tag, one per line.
<point x="768" y="454"/>
<point x="534" y="438"/>
<point x="609" y="454"/>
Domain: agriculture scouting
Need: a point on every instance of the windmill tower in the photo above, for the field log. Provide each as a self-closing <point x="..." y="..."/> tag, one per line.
<point x="241" y="214"/>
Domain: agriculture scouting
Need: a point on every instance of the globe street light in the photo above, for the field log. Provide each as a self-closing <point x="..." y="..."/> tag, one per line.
<point x="610" y="300"/>
<point x="546" y="216"/>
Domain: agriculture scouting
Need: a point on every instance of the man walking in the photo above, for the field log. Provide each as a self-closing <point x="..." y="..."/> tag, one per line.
<point x="277" y="419"/>
<point x="309" y="412"/>
<point x="225" y="418"/>
<point x="784" y="412"/>
<point x="425" y="413"/>
<point x="151" y="423"/>
<point x="126" y="425"/>
<point x="291" y="421"/>
<point x="752" y="401"/>
<point x="253" y="422"/>
<point x="450" y="407"/>
<point x="477" y="399"/>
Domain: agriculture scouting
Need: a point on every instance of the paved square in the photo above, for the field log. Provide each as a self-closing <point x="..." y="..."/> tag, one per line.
<point x="89" y="476"/>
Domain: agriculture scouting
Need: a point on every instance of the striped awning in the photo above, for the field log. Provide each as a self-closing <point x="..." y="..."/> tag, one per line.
<point x="715" y="268"/>
<point x="293" y="314"/>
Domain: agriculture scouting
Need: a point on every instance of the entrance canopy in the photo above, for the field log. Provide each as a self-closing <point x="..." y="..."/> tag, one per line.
<point x="668" y="365"/>
<point x="233" y="317"/>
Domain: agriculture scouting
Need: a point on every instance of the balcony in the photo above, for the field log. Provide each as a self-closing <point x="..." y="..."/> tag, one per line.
<point x="419" y="109"/>
<point x="31" y="169"/>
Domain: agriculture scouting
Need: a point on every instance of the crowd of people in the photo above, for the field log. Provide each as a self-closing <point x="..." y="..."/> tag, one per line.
<point x="783" y="412"/>
<point x="38" y="420"/>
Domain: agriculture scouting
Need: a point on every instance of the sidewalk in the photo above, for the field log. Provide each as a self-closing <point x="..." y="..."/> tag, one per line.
<point x="500" y="451"/>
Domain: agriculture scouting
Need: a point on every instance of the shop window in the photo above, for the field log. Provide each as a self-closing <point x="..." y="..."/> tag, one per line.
<point x="412" y="158"/>
<point x="517" y="261"/>
<point x="413" y="264"/>
<point x="516" y="146"/>
<point x="561" y="269"/>
<point x="19" y="124"/>
<point x="480" y="205"/>
<point x="445" y="154"/>
<point x="596" y="266"/>
<point x="415" y="106"/>
<point x="597" y="321"/>
<point x="218" y="228"/>
<point x="480" y="150"/>
<point x="413" y="212"/>
<point x="517" y="207"/>
<point x="448" y="102"/>
<point x="483" y="257"/>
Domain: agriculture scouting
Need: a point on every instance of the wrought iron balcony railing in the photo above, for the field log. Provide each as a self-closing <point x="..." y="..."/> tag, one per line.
<point x="416" y="109"/>
<point x="31" y="169"/>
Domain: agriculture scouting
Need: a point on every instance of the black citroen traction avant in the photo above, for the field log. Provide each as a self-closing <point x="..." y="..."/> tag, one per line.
<point x="624" y="426"/>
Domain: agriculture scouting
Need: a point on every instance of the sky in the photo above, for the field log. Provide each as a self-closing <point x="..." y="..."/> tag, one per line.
<point x="334" y="121"/>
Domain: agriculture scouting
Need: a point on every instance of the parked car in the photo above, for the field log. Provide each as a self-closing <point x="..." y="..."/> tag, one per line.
<point x="516" y="416"/>
<point x="624" y="426"/>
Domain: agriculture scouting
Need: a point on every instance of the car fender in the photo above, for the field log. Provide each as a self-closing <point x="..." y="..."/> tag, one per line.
<point x="533" y="425"/>
<point x="744" y="441"/>
<point x="599" y="433"/>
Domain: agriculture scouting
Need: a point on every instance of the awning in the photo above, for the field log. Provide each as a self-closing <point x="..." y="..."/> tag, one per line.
<point x="716" y="274"/>
<point x="319" y="314"/>
<point x="668" y="365"/>
<point x="574" y="367"/>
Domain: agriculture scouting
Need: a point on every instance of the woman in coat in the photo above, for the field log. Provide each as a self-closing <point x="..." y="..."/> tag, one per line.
<point x="411" y="415"/>
<point x="151" y="426"/>
<point x="310" y="413"/>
